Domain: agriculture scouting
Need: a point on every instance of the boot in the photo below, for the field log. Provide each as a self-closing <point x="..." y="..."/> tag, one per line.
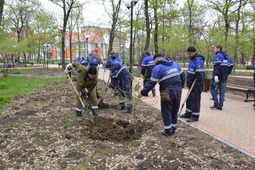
<point x="79" y="115"/>
<point x="167" y="132"/>
<point x="116" y="94"/>
<point x="153" y="92"/>
<point x="95" y="113"/>
<point x="121" y="105"/>
<point x="186" y="115"/>
<point x="128" y="109"/>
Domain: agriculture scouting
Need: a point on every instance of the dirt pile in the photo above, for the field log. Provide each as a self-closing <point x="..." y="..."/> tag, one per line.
<point x="114" y="130"/>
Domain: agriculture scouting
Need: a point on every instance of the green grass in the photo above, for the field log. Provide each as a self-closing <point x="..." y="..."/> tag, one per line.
<point x="13" y="86"/>
<point x="46" y="134"/>
<point x="18" y="72"/>
<point x="68" y="124"/>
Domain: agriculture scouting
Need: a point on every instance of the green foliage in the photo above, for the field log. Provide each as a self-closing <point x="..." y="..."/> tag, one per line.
<point x="13" y="86"/>
<point x="46" y="134"/>
<point x="68" y="124"/>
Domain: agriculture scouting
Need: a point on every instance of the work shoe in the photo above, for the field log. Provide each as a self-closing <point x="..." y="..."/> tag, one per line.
<point x="167" y="134"/>
<point x="95" y="114"/>
<point x="214" y="107"/>
<point x="128" y="109"/>
<point x="79" y="118"/>
<point x="79" y="115"/>
<point x="191" y="120"/>
<point x="186" y="115"/>
<point x="121" y="106"/>
<point x="219" y="108"/>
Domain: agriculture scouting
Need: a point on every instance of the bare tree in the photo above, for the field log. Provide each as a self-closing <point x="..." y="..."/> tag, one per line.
<point x="156" y="29"/>
<point x="227" y="8"/>
<point x="114" y="15"/>
<point x="20" y="14"/>
<point x="67" y="6"/>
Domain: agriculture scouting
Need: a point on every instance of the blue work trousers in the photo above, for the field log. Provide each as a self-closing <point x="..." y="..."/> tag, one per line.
<point x="169" y="110"/>
<point x="193" y="102"/>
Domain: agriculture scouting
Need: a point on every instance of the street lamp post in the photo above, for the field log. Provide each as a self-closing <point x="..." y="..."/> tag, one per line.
<point x="87" y="40"/>
<point x="130" y="4"/>
<point x="46" y="55"/>
<point x="13" y="65"/>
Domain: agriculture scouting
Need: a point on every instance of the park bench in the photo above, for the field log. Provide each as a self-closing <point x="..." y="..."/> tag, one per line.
<point x="22" y="64"/>
<point x="249" y="68"/>
<point x="241" y="84"/>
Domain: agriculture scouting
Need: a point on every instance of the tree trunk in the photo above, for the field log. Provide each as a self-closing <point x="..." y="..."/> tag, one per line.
<point x="70" y="42"/>
<point x="253" y="56"/>
<point x="115" y="18"/>
<point x="148" y="34"/>
<point x="156" y="28"/>
<point x="190" y="22"/>
<point x="237" y="34"/>
<point x="1" y="10"/>
<point x="79" y="42"/>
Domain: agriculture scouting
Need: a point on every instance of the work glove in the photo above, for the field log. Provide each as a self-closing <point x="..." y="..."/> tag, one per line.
<point x="69" y="66"/>
<point x="216" y="79"/>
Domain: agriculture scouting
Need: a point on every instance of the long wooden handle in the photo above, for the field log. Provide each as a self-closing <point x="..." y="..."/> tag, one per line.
<point x="193" y="84"/>
<point x="83" y="105"/>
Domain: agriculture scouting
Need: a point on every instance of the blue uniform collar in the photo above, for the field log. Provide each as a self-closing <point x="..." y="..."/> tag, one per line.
<point x="165" y="61"/>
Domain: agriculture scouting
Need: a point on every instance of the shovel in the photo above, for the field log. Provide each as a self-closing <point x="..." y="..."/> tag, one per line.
<point x="83" y="105"/>
<point x="187" y="95"/>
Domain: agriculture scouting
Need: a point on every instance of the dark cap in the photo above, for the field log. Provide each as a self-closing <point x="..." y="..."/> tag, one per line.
<point x="108" y="64"/>
<point x="147" y="52"/>
<point x="191" y="49"/>
<point x="157" y="55"/>
<point x="112" y="52"/>
<point x="92" y="70"/>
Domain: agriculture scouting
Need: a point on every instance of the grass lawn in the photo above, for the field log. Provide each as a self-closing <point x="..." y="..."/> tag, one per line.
<point x="18" y="71"/>
<point x="13" y="86"/>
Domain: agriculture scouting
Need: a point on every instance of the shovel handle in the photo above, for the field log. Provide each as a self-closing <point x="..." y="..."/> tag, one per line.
<point x="83" y="105"/>
<point x="192" y="86"/>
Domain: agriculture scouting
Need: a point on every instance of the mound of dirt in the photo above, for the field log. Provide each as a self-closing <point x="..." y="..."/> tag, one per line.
<point x="40" y="131"/>
<point x="114" y="130"/>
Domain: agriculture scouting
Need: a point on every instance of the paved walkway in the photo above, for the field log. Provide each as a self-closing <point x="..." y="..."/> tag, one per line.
<point x="234" y="124"/>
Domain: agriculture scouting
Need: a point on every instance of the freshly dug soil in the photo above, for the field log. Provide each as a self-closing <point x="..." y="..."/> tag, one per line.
<point x="40" y="131"/>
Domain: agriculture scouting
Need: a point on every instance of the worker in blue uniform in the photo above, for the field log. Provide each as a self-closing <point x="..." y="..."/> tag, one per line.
<point x="146" y="70"/>
<point x="171" y="79"/>
<point x="122" y="83"/>
<point x="195" y="74"/>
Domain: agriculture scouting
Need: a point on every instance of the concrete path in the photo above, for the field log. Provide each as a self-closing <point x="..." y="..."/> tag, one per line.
<point x="234" y="124"/>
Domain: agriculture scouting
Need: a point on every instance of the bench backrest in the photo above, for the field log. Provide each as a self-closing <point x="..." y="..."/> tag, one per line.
<point x="249" y="67"/>
<point x="241" y="81"/>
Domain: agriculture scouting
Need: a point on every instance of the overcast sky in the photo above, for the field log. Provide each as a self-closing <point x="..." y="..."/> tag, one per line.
<point x="94" y="14"/>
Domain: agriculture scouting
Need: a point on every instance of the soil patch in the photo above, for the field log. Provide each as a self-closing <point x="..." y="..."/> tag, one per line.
<point x="114" y="130"/>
